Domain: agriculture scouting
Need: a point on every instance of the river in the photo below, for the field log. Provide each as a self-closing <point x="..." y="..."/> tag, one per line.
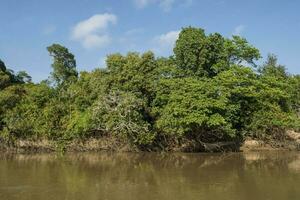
<point x="150" y="176"/>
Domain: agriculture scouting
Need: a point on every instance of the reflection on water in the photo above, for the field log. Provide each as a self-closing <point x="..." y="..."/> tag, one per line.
<point x="149" y="176"/>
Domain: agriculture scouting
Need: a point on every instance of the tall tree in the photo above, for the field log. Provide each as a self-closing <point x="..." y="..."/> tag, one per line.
<point x="188" y="49"/>
<point x="272" y="68"/>
<point x="201" y="55"/>
<point x="64" y="64"/>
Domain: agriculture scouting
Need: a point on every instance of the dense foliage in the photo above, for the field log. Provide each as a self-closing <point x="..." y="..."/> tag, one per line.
<point x="210" y="90"/>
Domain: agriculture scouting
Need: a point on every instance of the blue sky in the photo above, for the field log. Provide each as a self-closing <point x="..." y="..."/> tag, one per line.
<point x="91" y="29"/>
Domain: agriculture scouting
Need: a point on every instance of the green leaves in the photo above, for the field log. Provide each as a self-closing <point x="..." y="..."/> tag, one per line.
<point x="191" y="106"/>
<point x="7" y="76"/>
<point x="64" y="64"/>
<point x="239" y="50"/>
<point x="207" y="55"/>
<point x="203" y="92"/>
<point x="188" y="50"/>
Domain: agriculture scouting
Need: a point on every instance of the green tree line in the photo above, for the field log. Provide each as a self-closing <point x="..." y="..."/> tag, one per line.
<point x="209" y="90"/>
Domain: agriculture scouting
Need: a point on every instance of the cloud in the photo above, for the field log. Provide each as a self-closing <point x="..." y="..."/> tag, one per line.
<point x="239" y="30"/>
<point x="94" y="41"/>
<point x="93" y="32"/>
<point x="165" y="5"/>
<point x="167" y="39"/>
<point x="165" y="42"/>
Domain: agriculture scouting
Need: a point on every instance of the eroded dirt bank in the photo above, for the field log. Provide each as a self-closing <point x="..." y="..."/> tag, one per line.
<point x="291" y="141"/>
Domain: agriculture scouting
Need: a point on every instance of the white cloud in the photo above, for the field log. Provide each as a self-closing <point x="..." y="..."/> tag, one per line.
<point x="94" y="41"/>
<point x="239" y="30"/>
<point x="166" y="5"/>
<point x="93" y="31"/>
<point x="167" y="39"/>
<point x="94" y="24"/>
<point x="165" y="42"/>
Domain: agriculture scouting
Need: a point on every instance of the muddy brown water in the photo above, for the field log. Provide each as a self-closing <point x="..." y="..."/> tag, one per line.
<point x="150" y="176"/>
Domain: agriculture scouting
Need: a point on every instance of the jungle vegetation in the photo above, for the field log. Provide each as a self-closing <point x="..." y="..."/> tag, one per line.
<point x="211" y="89"/>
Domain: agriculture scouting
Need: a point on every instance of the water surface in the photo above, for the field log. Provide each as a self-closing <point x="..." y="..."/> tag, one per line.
<point x="150" y="176"/>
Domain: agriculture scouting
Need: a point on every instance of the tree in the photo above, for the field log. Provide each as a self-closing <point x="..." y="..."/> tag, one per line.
<point x="134" y="73"/>
<point x="295" y="97"/>
<point x="8" y="77"/>
<point x="239" y="51"/>
<point x="5" y="76"/>
<point x="4" y="80"/>
<point x="189" y="107"/>
<point x="10" y="97"/>
<point x="2" y="66"/>
<point x="208" y="91"/>
<point x="121" y="114"/>
<point x="272" y="68"/>
<point x="189" y="49"/>
<point x="200" y="55"/>
<point x="24" y="77"/>
<point x="64" y="64"/>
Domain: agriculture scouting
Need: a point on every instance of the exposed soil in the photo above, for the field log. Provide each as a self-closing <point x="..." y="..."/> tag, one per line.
<point x="291" y="141"/>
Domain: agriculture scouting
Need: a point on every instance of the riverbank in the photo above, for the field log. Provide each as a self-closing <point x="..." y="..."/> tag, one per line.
<point x="291" y="141"/>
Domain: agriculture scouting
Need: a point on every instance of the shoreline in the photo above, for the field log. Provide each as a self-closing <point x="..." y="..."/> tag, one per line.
<point x="111" y="144"/>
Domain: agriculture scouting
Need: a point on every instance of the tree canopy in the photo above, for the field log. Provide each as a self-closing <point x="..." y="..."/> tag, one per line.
<point x="210" y="90"/>
<point x="64" y="64"/>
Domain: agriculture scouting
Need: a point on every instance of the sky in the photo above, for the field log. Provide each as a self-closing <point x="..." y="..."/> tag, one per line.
<point x="93" y="29"/>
